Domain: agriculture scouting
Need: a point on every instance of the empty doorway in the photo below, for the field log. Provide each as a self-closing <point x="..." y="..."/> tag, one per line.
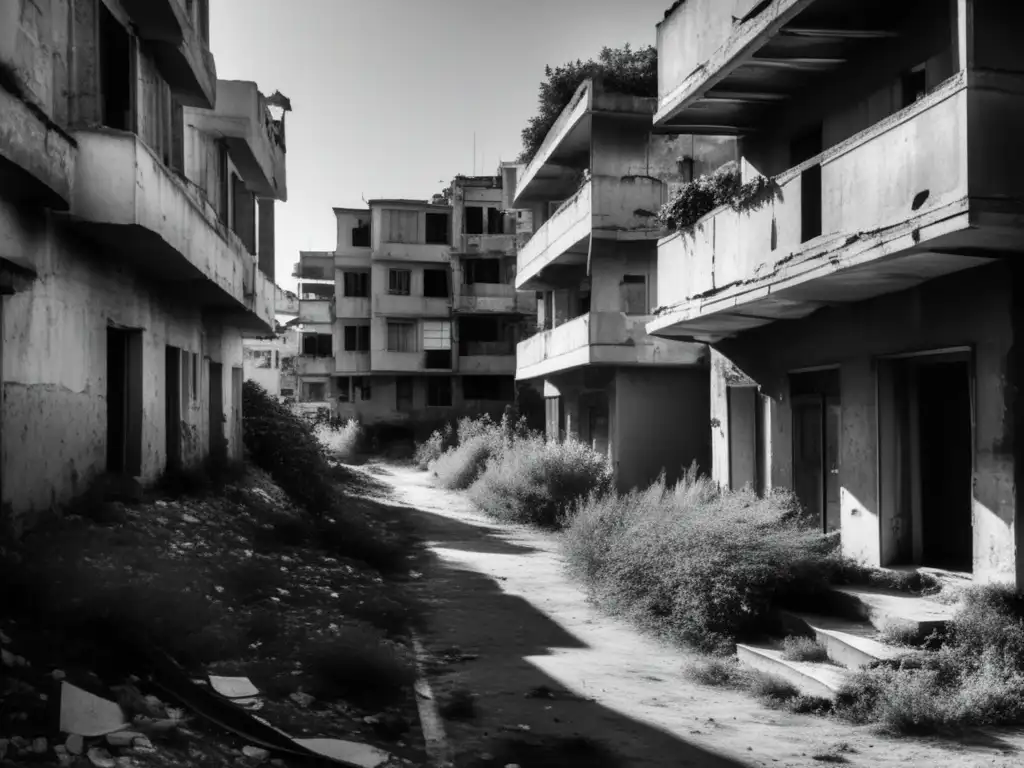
<point x="172" y="405"/>
<point x="817" y="417"/>
<point x="218" y="447"/>
<point x="926" y="437"/>
<point x="124" y="401"/>
<point x="236" y="410"/>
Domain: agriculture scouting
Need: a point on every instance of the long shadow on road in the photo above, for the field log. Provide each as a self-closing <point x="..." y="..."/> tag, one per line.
<point x="485" y="638"/>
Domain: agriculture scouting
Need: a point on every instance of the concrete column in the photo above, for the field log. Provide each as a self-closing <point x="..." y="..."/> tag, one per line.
<point x="266" y="236"/>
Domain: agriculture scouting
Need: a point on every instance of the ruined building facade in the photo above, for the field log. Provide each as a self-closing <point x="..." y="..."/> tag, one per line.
<point x="593" y="191"/>
<point x="137" y="213"/>
<point x="866" y="321"/>
<point x="413" y="319"/>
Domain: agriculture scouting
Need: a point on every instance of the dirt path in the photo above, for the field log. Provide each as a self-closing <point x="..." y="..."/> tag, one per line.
<point x="500" y="593"/>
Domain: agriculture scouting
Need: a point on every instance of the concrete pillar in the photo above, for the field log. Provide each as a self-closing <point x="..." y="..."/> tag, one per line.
<point x="266" y="236"/>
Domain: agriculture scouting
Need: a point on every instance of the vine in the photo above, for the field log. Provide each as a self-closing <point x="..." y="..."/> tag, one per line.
<point x="698" y="198"/>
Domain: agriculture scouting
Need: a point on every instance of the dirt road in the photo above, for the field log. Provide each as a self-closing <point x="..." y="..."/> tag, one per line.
<point x="499" y="596"/>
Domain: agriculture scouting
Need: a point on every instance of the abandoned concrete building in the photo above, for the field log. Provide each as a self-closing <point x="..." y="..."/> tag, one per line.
<point x="593" y="192"/>
<point x="408" y="324"/>
<point x="871" y="306"/>
<point x="134" y="259"/>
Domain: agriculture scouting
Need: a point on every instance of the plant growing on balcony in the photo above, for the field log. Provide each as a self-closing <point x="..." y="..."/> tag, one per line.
<point x="623" y="70"/>
<point x="701" y="196"/>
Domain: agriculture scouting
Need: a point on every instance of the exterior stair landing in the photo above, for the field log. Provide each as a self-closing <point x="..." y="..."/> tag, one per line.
<point x="809" y="677"/>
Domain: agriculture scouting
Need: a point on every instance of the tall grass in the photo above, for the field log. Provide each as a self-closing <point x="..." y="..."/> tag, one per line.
<point x="537" y="482"/>
<point x="476" y="441"/>
<point x="696" y="564"/>
<point x="440" y="441"/>
<point x="340" y="441"/>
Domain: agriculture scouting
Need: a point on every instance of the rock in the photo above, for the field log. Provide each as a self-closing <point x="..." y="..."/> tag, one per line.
<point x="127" y="739"/>
<point x="62" y="756"/>
<point x="4" y="638"/>
<point x="256" y="753"/>
<point x="100" y="758"/>
<point x="486" y="756"/>
<point x="75" y="744"/>
<point x="300" y="697"/>
<point x="8" y="658"/>
<point x="39" y="745"/>
<point x="189" y="518"/>
<point x="4" y="744"/>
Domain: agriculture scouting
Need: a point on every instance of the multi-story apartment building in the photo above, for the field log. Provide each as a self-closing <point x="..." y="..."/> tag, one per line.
<point x="424" y="317"/>
<point x="594" y="189"/>
<point x="131" y="269"/>
<point x="872" y="307"/>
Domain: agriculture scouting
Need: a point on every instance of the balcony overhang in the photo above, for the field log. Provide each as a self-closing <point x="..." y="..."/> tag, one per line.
<point x="241" y="118"/>
<point x="772" y="56"/>
<point x="554" y="170"/>
<point x="563" y="240"/>
<point x="143" y="215"/>
<point x="37" y="158"/>
<point x="16" y="274"/>
<point x="181" y="54"/>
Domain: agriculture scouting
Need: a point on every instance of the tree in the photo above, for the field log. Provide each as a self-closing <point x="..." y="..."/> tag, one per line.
<point x="634" y="73"/>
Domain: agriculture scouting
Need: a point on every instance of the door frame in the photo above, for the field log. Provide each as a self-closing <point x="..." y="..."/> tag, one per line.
<point x="822" y="400"/>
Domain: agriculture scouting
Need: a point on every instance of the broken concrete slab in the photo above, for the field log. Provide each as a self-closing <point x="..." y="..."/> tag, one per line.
<point x="354" y="753"/>
<point x="234" y="687"/>
<point x="86" y="714"/>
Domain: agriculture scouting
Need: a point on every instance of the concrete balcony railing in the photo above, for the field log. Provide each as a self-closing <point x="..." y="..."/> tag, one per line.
<point x="179" y="48"/>
<point x="350" y="363"/>
<point x="504" y="244"/>
<point x="254" y="140"/>
<point x="37" y="158"/>
<point x="126" y="200"/>
<point x="604" y="208"/>
<point x="389" y="361"/>
<point x="314" y="365"/>
<point x="286" y="303"/>
<point x="915" y="196"/>
<point x="601" y="338"/>
<point x="315" y="311"/>
<point x="394" y="305"/>
<point x="487" y="357"/>
<point x="499" y="298"/>
<point x="351" y="307"/>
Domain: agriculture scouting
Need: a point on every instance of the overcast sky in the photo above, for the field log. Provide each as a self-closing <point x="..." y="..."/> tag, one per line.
<point x="387" y="94"/>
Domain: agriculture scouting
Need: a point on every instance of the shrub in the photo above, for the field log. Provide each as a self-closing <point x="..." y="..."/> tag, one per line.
<point x="771" y="689"/>
<point x="537" y="482"/>
<point x="696" y="564"/>
<point x="340" y="441"/>
<point x="975" y="678"/>
<point x="285" y="445"/>
<point x="477" y="440"/>
<point x="803" y="649"/>
<point x="358" y="662"/>
<point x="435" y="446"/>
<point x="696" y="199"/>
<point x="716" y="671"/>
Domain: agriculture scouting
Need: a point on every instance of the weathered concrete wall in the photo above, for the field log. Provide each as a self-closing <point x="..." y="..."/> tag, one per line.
<point x="971" y="309"/>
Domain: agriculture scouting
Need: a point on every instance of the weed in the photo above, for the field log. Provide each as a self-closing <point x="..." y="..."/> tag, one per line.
<point x="693" y="563"/>
<point x="716" y="671"/>
<point x="798" y="648"/>
<point x="357" y="662"/>
<point x="460" y="705"/>
<point x="809" y="705"/>
<point x="340" y="441"/>
<point x="537" y="482"/>
<point x="882" y="578"/>
<point x="478" y="441"/>
<point x="772" y="690"/>
<point x="898" y="634"/>
<point x="252" y="580"/>
<point x="435" y="446"/>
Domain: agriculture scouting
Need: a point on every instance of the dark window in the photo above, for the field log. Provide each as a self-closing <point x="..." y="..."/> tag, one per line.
<point x="439" y="392"/>
<point x="435" y="283"/>
<point x="488" y="388"/>
<point x="914" y="85"/>
<point x="399" y="281"/>
<point x="403" y="393"/>
<point x="361" y="235"/>
<point x="495" y="221"/>
<point x="401" y="337"/>
<point x="316" y="391"/>
<point x="482" y="271"/>
<point x="115" y="72"/>
<point x="357" y="338"/>
<point x="343" y="389"/>
<point x="474" y="221"/>
<point x="363" y="385"/>
<point x="124" y="401"/>
<point x="438" y="360"/>
<point x="804" y="148"/>
<point x="357" y="284"/>
<point x="317" y="344"/>
<point x="634" y="294"/>
<point x="437" y="229"/>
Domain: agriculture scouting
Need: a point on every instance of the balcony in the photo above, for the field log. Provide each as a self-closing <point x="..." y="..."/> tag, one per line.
<point x="352" y="306"/>
<point x="310" y="365"/>
<point x="600" y="338"/>
<point x="352" y="363"/>
<point x="179" y="47"/>
<point x="315" y="311"/>
<point x="254" y="139"/>
<point x="389" y="361"/>
<point x="487" y="357"/>
<point x="37" y="158"/>
<point x="125" y="199"/>
<point x="605" y="209"/>
<point x="315" y="265"/>
<point x="393" y="305"/>
<point x="506" y="245"/>
<point x="931" y="190"/>
<point x="286" y="303"/>
<point x="497" y="298"/>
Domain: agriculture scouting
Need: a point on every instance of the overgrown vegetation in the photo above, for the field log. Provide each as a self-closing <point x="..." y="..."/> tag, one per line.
<point x="694" y="563"/>
<point x="975" y="677"/>
<point x="696" y="199"/>
<point x="797" y="648"/>
<point x="341" y="441"/>
<point x="623" y="70"/>
<point x="476" y="441"/>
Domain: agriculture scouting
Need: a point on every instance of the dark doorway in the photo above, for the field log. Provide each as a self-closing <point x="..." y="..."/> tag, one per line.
<point x="403" y="393"/>
<point x="218" y="446"/>
<point x="245" y="214"/>
<point x="124" y="401"/>
<point x="474" y="221"/>
<point x="816" y="431"/>
<point x="172" y="405"/>
<point x="236" y="409"/>
<point x="804" y="148"/>
<point x="946" y="456"/>
<point x="115" y="71"/>
<point x="437" y="229"/>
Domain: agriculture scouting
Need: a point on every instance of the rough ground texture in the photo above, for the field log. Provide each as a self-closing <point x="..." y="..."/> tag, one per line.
<point x="530" y="673"/>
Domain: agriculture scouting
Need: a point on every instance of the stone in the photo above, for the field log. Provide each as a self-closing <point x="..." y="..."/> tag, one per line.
<point x="300" y="697"/>
<point x="100" y="758"/>
<point x="256" y="753"/>
<point x="75" y="744"/>
<point x="4" y="745"/>
<point x="40" y="746"/>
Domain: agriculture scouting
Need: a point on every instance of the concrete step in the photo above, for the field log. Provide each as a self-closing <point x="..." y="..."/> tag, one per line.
<point x="851" y="643"/>
<point x="810" y="678"/>
<point x="882" y="608"/>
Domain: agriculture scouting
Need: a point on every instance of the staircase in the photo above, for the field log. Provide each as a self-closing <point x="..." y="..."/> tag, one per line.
<point x="849" y="631"/>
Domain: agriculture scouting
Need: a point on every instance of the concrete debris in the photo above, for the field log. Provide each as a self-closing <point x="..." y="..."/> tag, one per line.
<point x="100" y="758"/>
<point x="128" y="739"/>
<point x="189" y="518"/>
<point x="256" y="753"/>
<point x="363" y="755"/>
<point x="63" y="757"/>
<point x="302" y="699"/>
<point x="75" y="744"/>
<point x="58" y="674"/>
<point x="40" y="746"/>
<point x="234" y="687"/>
<point x="4" y="638"/>
<point x="4" y="745"/>
<point x="85" y="714"/>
